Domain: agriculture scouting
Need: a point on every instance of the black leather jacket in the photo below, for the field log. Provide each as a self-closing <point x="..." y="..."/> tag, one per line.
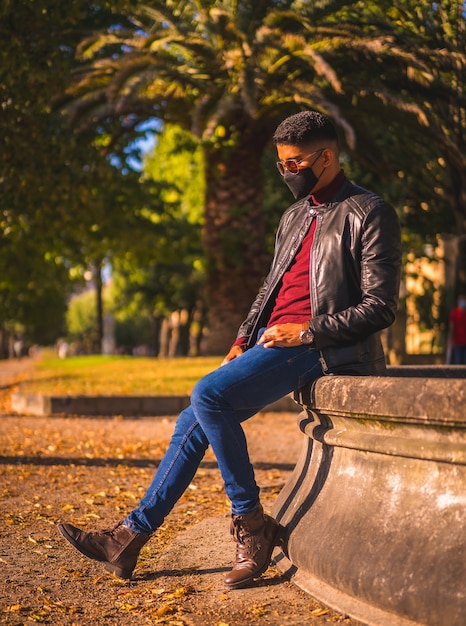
<point x="354" y="277"/>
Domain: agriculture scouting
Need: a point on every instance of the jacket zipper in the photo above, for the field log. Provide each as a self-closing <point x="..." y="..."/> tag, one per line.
<point x="313" y="212"/>
<point x="280" y="275"/>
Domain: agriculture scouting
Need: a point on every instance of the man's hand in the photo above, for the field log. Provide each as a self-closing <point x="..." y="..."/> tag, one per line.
<point x="285" y="335"/>
<point x="235" y="351"/>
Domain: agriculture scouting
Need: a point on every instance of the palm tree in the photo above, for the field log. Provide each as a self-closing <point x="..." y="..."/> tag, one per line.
<point x="412" y="71"/>
<point x="228" y="72"/>
<point x="409" y="73"/>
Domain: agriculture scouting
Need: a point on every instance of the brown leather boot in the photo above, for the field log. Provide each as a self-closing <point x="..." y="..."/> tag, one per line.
<point x="118" y="548"/>
<point x="256" y="535"/>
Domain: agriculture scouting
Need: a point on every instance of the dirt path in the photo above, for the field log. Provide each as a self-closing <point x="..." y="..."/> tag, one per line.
<point x="91" y="472"/>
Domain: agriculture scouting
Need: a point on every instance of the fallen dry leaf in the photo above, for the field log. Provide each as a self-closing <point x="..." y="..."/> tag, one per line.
<point x="319" y="612"/>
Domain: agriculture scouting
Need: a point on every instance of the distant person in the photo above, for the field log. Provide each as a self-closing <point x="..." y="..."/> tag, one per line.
<point x="18" y="348"/>
<point x="63" y="350"/>
<point x="457" y="333"/>
<point x="332" y="286"/>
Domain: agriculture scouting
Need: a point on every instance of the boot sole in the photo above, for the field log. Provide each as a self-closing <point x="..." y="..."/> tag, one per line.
<point x="121" y="573"/>
<point x="246" y="581"/>
<point x="110" y="567"/>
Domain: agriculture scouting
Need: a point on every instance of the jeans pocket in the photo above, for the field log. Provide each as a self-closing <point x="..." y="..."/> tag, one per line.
<point x="260" y="333"/>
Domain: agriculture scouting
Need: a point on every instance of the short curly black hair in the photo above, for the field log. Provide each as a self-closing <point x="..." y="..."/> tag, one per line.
<point x="303" y="128"/>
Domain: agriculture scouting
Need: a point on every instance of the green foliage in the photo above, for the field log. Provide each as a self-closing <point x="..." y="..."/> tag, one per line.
<point x="177" y="164"/>
<point x="133" y="325"/>
<point x="133" y="330"/>
<point x="164" y="272"/>
<point x="61" y="197"/>
<point x="403" y="96"/>
<point x="81" y="317"/>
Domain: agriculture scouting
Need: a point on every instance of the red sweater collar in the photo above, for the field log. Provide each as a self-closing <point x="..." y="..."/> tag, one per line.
<point x="329" y="191"/>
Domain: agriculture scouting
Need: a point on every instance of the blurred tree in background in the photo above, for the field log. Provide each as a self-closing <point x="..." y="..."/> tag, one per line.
<point x="64" y="205"/>
<point x="162" y="279"/>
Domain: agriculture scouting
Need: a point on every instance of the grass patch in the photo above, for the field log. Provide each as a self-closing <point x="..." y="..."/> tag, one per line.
<point x="117" y="375"/>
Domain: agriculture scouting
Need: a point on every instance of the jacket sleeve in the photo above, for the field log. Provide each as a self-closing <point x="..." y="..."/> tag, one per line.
<point x="375" y="261"/>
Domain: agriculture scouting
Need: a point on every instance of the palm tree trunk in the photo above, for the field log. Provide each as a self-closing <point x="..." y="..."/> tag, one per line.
<point x="234" y="238"/>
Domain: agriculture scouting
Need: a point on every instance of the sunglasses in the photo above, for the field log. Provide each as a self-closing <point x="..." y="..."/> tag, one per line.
<point x="292" y="165"/>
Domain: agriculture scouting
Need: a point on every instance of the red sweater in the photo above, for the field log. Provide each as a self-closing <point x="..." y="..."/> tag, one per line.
<point x="458" y="323"/>
<point x="293" y="303"/>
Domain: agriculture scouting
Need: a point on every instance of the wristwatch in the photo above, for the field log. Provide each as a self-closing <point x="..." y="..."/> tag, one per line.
<point x="306" y="336"/>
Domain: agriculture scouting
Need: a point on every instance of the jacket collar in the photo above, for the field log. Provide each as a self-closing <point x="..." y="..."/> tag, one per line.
<point x="328" y="192"/>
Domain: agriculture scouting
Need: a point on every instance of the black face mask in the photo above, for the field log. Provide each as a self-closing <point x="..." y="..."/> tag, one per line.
<point x="301" y="184"/>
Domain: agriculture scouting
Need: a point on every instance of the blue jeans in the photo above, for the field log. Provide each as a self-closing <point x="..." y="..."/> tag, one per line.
<point x="459" y="355"/>
<point x="220" y="401"/>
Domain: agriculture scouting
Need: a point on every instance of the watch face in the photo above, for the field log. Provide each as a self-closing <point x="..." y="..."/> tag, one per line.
<point x="306" y="337"/>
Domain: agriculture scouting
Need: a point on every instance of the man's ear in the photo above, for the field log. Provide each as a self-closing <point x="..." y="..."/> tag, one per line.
<point x="328" y="157"/>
